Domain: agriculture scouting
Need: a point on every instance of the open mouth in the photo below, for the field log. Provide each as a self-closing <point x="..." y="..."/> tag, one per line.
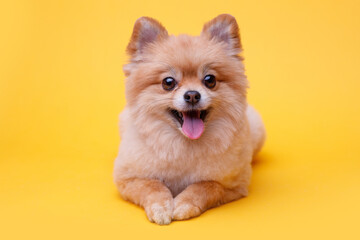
<point x="191" y="122"/>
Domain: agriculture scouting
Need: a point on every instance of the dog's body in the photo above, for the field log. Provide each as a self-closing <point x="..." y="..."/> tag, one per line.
<point x="188" y="135"/>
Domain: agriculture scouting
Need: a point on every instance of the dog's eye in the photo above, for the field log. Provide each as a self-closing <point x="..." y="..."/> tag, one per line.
<point x="210" y="81"/>
<point x="168" y="83"/>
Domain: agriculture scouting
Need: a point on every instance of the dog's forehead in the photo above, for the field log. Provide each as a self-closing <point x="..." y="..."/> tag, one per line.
<point x="185" y="53"/>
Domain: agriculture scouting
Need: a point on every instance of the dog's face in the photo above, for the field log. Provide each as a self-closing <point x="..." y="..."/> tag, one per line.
<point x="193" y="84"/>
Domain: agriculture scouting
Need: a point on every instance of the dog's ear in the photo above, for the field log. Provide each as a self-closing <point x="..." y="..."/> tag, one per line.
<point x="146" y="30"/>
<point x="224" y="28"/>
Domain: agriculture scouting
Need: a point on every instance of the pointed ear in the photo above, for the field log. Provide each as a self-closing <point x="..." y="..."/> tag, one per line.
<point x="146" y="30"/>
<point x="224" y="28"/>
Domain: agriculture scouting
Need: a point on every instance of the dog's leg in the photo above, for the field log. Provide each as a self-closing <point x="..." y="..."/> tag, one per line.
<point x="199" y="197"/>
<point x="150" y="194"/>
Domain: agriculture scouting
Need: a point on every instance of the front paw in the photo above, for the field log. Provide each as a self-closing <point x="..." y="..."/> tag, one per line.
<point x="185" y="209"/>
<point x="160" y="212"/>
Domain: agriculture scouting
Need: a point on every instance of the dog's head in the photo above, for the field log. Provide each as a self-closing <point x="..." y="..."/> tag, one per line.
<point x="195" y="85"/>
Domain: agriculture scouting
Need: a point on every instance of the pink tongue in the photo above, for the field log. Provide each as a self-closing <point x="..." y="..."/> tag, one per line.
<point x="193" y="126"/>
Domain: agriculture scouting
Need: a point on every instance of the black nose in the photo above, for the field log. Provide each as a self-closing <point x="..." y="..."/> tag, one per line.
<point x="192" y="97"/>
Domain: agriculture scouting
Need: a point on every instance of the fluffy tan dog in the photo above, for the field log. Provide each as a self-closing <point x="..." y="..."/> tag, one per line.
<point x="188" y="135"/>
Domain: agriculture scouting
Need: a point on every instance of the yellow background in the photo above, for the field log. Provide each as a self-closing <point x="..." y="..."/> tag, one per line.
<point x="61" y="89"/>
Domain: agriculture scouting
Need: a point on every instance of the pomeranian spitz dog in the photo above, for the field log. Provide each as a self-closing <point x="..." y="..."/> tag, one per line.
<point x="188" y="135"/>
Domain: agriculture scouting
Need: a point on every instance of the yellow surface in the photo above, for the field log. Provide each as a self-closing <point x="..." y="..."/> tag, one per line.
<point x="62" y="88"/>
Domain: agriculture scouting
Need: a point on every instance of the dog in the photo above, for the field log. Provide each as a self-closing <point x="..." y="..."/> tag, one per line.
<point x="188" y="136"/>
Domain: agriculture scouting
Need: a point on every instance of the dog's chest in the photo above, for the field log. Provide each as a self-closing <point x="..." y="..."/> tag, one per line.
<point x="177" y="174"/>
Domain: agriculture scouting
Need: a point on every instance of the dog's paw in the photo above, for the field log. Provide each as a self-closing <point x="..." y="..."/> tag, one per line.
<point x="184" y="210"/>
<point x="160" y="212"/>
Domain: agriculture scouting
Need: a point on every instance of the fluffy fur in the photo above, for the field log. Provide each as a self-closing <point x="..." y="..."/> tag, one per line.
<point x="160" y="169"/>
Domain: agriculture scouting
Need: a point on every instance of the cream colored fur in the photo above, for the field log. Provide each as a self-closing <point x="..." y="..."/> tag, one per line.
<point x="171" y="176"/>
